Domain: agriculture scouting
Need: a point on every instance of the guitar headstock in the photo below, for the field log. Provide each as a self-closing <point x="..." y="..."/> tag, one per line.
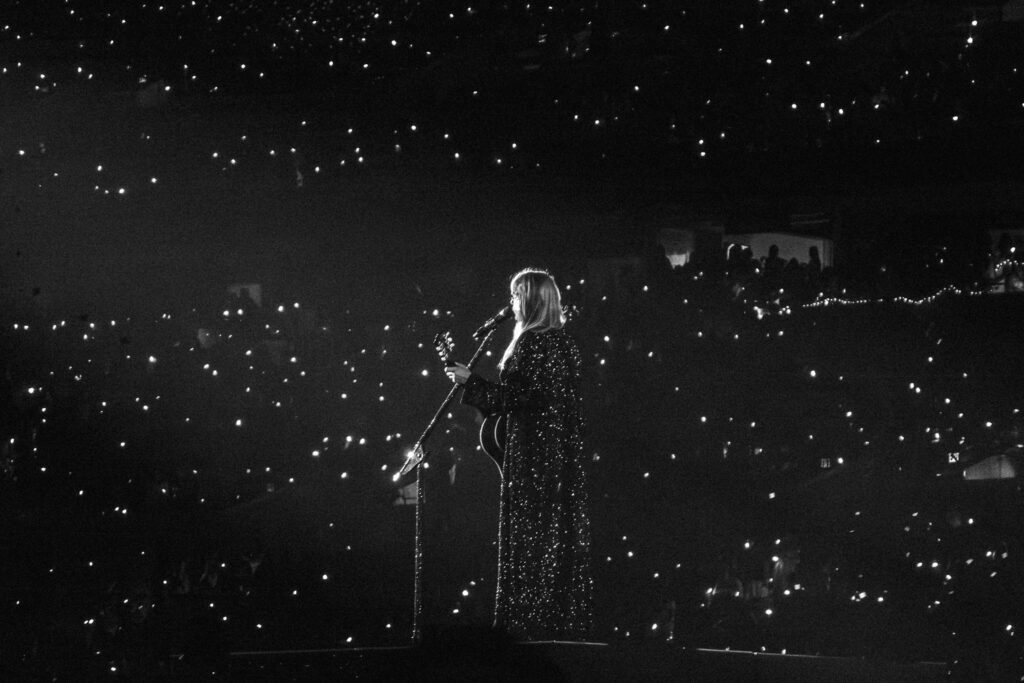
<point x="444" y="346"/>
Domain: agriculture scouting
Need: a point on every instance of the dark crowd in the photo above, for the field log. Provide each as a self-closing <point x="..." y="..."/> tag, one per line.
<point x="777" y="458"/>
<point x="785" y="454"/>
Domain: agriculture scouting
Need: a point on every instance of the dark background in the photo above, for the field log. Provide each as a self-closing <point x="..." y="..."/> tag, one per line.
<point x="334" y="186"/>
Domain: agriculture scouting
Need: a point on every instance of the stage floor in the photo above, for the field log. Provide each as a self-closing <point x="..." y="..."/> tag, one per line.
<point x="480" y="659"/>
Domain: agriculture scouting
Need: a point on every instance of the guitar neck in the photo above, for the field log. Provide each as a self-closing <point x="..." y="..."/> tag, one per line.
<point x="454" y="390"/>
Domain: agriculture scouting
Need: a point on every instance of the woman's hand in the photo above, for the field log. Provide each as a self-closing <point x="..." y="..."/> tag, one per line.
<point x="457" y="372"/>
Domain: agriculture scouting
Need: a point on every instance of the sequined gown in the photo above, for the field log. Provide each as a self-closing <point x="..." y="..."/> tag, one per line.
<point x="545" y="589"/>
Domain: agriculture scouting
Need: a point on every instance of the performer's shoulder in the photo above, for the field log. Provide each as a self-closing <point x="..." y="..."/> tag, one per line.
<point x="557" y="337"/>
<point x="550" y="333"/>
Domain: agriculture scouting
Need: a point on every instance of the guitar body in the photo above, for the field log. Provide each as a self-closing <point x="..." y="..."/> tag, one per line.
<point x="492" y="438"/>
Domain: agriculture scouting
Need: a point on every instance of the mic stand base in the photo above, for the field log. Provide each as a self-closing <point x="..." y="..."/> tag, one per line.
<point x="417" y="598"/>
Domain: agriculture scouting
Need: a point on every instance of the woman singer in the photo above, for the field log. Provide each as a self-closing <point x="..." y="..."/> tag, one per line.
<point x="544" y="587"/>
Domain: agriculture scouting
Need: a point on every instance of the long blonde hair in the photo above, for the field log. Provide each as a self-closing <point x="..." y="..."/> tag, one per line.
<point x="541" y="303"/>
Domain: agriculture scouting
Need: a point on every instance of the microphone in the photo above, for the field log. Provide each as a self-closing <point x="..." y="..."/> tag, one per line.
<point x="499" y="317"/>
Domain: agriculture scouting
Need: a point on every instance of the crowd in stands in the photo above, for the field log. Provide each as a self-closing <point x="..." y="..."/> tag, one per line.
<point x="208" y="481"/>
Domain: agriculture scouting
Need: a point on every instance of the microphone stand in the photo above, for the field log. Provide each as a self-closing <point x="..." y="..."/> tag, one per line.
<point x="417" y="459"/>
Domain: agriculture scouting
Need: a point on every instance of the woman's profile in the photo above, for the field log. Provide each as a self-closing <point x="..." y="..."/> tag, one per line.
<point x="545" y="588"/>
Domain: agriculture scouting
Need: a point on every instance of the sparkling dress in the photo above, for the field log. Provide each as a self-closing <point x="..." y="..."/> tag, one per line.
<point x="545" y="588"/>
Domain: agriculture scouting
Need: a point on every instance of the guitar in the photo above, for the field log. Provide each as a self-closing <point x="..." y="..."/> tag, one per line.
<point x="492" y="431"/>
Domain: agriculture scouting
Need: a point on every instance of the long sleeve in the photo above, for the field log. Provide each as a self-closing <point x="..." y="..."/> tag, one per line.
<point x="530" y="385"/>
